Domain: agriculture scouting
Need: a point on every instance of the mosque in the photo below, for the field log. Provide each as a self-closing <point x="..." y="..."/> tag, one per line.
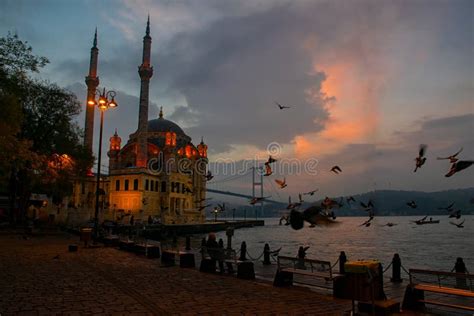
<point x="158" y="172"/>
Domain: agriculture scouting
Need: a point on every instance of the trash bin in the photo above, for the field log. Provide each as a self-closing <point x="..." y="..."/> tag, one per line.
<point x="86" y="235"/>
<point x="364" y="280"/>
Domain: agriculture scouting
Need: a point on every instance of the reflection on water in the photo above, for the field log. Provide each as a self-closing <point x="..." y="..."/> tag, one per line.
<point x="433" y="246"/>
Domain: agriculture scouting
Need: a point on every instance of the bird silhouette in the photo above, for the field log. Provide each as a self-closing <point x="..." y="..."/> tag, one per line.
<point x="268" y="170"/>
<point x="336" y="169"/>
<point x="458" y="166"/>
<point x="452" y="158"/>
<point x="281" y="183"/>
<point x="350" y="199"/>
<point x="412" y="204"/>
<point x="455" y="214"/>
<point x="270" y="160"/>
<point x="281" y="107"/>
<point x="367" y="222"/>
<point x="448" y="208"/>
<point x="258" y="199"/>
<point x="203" y="207"/>
<point x="221" y="207"/>
<point x="311" y="192"/>
<point x="209" y="175"/>
<point x="458" y="225"/>
<point x="421" y="159"/>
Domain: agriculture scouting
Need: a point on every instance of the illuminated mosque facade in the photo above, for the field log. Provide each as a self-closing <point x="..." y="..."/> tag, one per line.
<point x="158" y="172"/>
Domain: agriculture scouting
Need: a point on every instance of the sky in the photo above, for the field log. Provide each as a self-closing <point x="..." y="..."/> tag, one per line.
<point x="367" y="82"/>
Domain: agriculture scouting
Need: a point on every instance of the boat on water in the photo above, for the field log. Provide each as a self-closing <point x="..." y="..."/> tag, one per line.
<point x="420" y="222"/>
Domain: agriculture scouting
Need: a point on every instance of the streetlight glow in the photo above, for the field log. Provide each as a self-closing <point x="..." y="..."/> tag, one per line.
<point x="103" y="104"/>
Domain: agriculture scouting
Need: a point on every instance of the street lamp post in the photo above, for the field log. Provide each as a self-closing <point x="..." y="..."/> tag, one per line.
<point x="104" y="104"/>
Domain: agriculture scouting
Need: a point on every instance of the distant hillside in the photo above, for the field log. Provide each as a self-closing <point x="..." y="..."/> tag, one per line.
<point x="390" y="202"/>
<point x="387" y="202"/>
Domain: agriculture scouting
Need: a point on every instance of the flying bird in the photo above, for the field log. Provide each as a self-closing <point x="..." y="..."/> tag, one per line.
<point x="458" y="166"/>
<point x="209" y="175"/>
<point x="258" y="199"/>
<point x="452" y="158"/>
<point x="221" y="207"/>
<point x="421" y="159"/>
<point x="412" y="204"/>
<point x="329" y="203"/>
<point x="281" y="107"/>
<point x="350" y="199"/>
<point x="281" y="183"/>
<point x="268" y="170"/>
<point x="311" y="192"/>
<point x="455" y="214"/>
<point x="270" y="160"/>
<point x="203" y="207"/>
<point x="367" y="222"/>
<point x="448" y="208"/>
<point x="336" y="169"/>
<point x="458" y="225"/>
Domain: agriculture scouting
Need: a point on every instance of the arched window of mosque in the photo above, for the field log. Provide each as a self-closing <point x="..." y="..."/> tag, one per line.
<point x="173" y="139"/>
<point x="146" y="185"/>
<point x="188" y="151"/>
<point x="152" y="185"/>
<point x="117" y="185"/>
<point x="135" y="184"/>
<point x="156" y="186"/>
<point x="168" y="139"/>
<point x="126" y="185"/>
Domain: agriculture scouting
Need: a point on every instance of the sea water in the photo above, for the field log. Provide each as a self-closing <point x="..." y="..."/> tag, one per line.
<point x="431" y="246"/>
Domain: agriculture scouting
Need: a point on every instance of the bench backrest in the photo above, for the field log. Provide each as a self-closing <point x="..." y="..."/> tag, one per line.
<point x="442" y="279"/>
<point x="219" y="253"/>
<point x="312" y="265"/>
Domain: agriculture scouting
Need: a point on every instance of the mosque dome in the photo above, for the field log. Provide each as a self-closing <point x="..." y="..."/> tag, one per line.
<point x="162" y="125"/>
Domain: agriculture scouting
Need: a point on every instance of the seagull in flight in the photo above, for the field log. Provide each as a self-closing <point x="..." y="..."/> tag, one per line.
<point x="452" y="158"/>
<point x="458" y="166"/>
<point x="282" y="107"/>
<point x="412" y="204"/>
<point x="336" y="169"/>
<point x="458" y="225"/>
<point x="421" y="159"/>
<point x="311" y="192"/>
<point x="281" y="183"/>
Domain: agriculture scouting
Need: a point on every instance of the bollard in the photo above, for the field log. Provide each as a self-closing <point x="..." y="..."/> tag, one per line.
<point x="188" y="243"/>
<point x="229" y="233"/>
<point x="396" y="267"/>
<point x="342" y="262"/>
<point x="243" y="251"/>
<point x="266" y="255"/>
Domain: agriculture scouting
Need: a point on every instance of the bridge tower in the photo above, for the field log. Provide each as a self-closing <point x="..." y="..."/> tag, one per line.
<point x="255" y="185"/>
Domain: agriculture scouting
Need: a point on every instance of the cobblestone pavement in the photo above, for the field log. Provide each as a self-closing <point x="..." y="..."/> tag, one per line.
<point x="39" y="276"/>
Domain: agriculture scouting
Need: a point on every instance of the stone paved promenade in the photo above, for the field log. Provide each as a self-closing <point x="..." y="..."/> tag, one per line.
<point x="39" y="277"/>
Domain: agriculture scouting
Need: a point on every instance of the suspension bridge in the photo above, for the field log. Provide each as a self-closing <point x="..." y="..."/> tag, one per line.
<point x="259" y="186"/>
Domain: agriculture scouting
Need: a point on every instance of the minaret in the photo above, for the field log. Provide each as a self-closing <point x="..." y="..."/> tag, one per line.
<point x="145" y="70"/>
<point x="92" y="82"/>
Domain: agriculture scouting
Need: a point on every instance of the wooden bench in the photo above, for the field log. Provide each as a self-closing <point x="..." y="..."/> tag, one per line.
<point x="448" y="284"/>
<point x="288" y="266"/>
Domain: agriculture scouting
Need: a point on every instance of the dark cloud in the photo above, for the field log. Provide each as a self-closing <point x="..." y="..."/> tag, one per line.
<point x="232" y="72"/>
